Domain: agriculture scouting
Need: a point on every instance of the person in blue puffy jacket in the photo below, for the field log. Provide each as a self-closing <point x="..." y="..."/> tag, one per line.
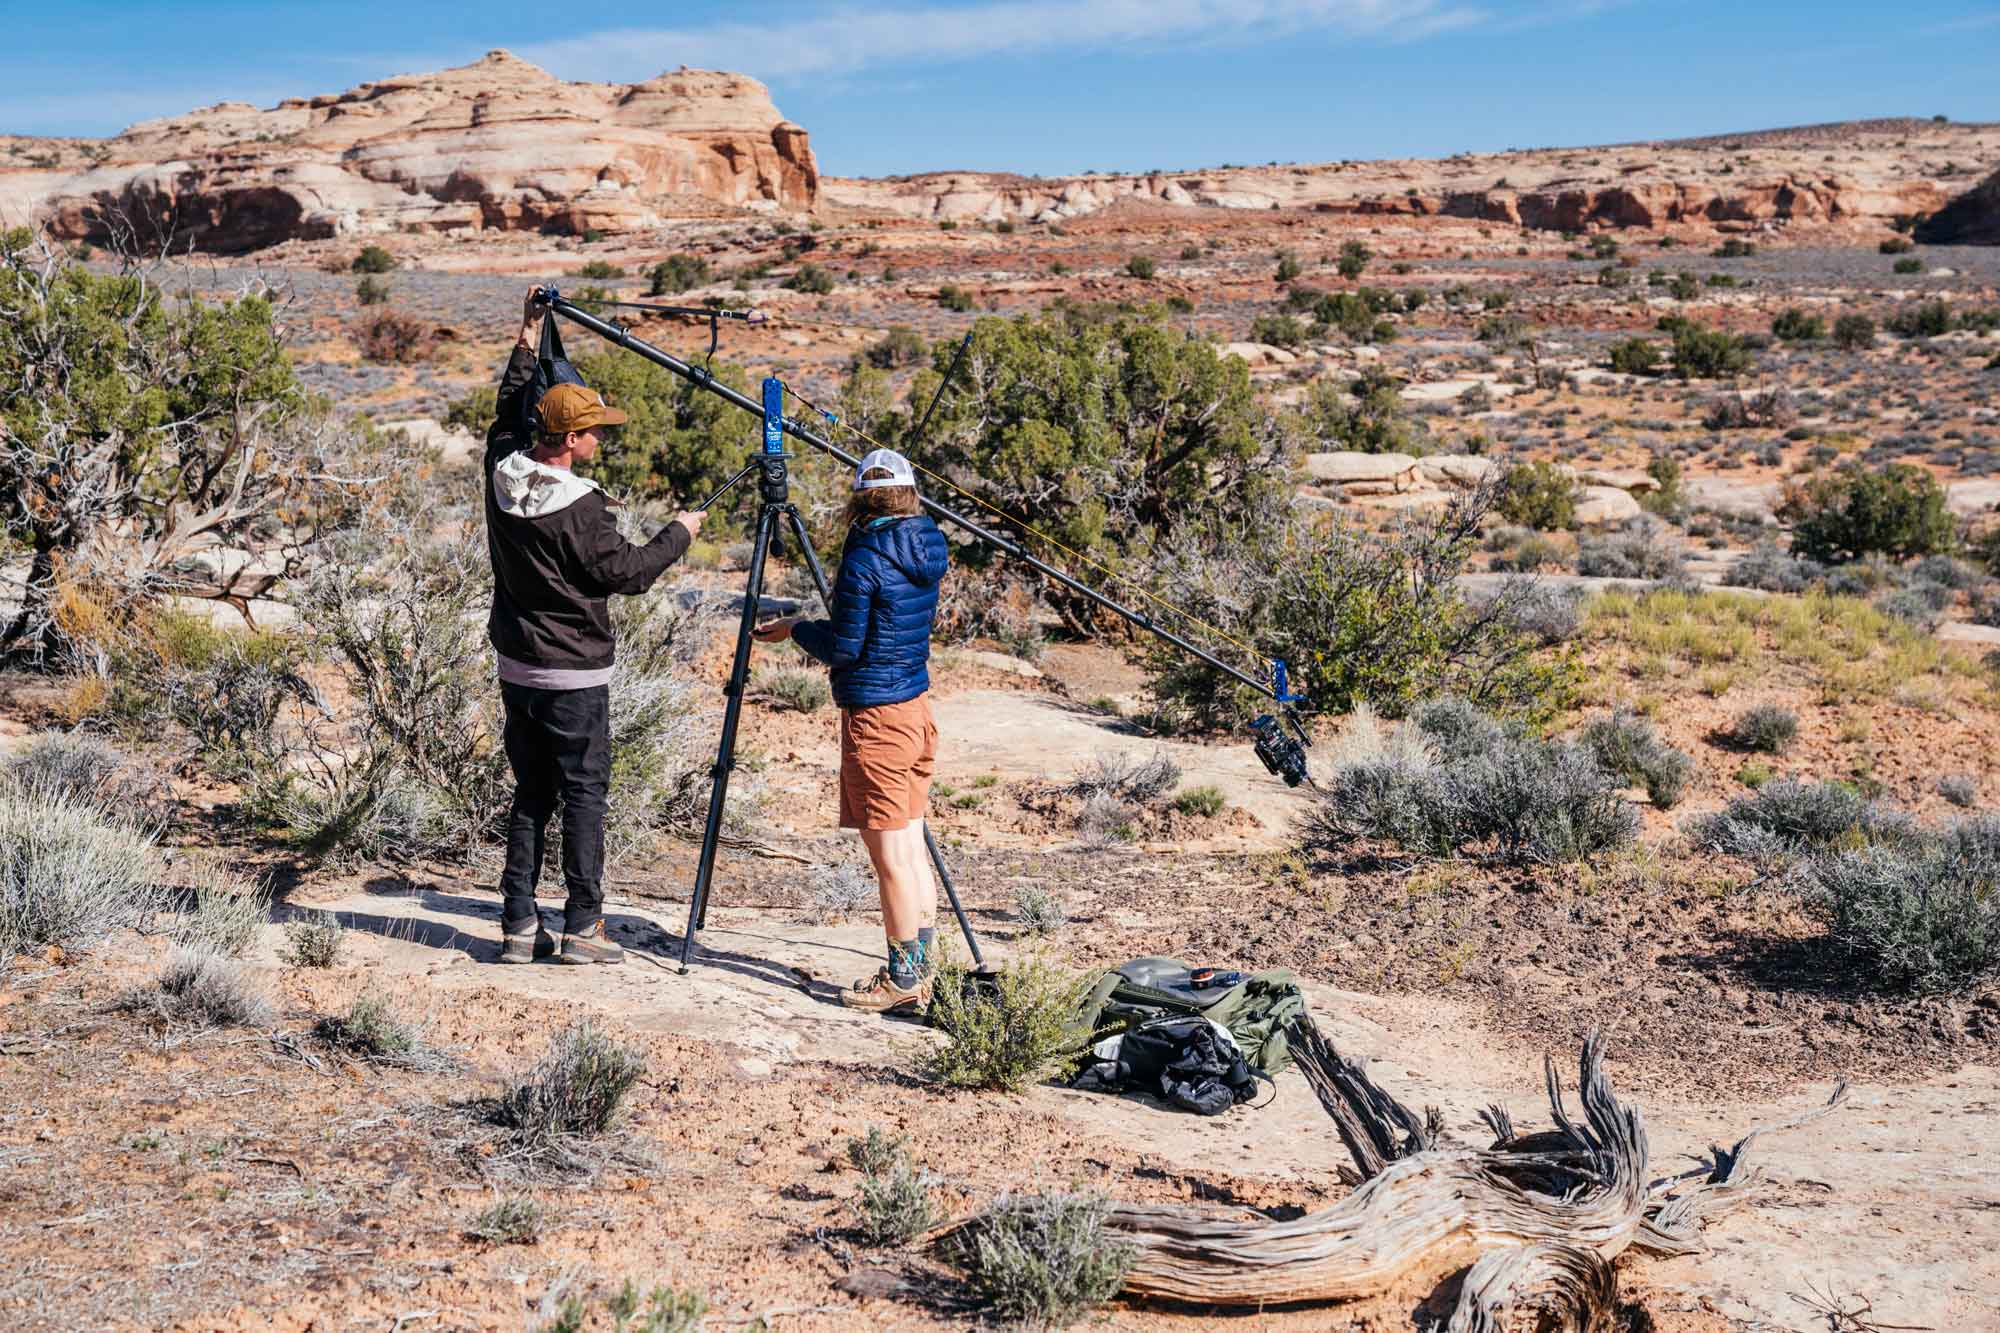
<point x="876" y="643"/>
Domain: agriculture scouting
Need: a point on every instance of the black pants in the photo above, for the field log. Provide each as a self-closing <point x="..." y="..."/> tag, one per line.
<point x="559" y="743"/>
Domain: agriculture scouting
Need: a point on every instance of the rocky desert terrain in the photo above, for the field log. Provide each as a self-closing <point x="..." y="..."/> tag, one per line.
<point x="1641" y="359"/>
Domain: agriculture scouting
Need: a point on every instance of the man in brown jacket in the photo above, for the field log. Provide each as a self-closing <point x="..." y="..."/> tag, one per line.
<point x="557" y="556"/>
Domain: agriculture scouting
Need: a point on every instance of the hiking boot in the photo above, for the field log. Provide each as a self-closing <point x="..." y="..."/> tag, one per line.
<point x="527" y="945"/>
<point x="881" y="995"/>
<point x="590" y="946"/>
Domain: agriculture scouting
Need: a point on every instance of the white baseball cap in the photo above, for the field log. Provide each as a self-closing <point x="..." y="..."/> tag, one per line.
<point x="898" y="467"/>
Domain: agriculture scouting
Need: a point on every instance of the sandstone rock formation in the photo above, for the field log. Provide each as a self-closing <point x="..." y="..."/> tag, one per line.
<point x="499" y="143"/>
<point x="1861" y="173"/>
<point x="1971" y="219"/>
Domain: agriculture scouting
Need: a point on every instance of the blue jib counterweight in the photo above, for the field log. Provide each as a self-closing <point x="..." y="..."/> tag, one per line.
<point x="774" y="415"/>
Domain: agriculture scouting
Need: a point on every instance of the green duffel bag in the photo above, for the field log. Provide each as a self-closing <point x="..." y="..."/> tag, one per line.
<point x="1253" y="1006"/>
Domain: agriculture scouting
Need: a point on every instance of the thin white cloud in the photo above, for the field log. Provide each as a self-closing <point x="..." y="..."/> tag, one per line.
<point x="859" y="39"/>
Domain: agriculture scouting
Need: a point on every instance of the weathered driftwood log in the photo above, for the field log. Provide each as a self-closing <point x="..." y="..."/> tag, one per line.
<point x="1539" y="1215"/>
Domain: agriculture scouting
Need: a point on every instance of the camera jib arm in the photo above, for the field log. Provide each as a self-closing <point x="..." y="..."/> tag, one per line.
<point x="1280" y="741"/>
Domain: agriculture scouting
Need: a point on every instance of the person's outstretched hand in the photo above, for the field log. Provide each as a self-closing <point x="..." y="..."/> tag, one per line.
<point x="691" y="520"/>
<point x="777" y="631"/>
<point x="533" y="312"/>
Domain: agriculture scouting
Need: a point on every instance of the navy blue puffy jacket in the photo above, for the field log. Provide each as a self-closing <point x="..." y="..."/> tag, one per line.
<point x="878" y="642"/>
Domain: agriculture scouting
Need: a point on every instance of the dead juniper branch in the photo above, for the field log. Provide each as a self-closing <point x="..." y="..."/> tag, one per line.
<point x="1545" y="1212"/>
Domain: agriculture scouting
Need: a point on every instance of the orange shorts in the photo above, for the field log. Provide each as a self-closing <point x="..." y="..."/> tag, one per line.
<point x="887" y="755"/>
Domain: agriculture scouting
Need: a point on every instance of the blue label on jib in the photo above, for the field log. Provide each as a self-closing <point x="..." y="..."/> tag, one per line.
<point x="774" y="416"/>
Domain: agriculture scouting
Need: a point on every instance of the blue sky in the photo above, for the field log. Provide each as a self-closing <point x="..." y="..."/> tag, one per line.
<point x="1060" y="86"/>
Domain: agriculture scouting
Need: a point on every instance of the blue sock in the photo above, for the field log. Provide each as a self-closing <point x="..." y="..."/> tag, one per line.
<point x="905" y="962"/>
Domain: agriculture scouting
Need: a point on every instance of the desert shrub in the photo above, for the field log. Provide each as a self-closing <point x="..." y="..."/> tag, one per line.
<point x="600" y="270"/>
<point x="1767" y="728"/>
<point x="514" y="1220"/>
<point x="1546" y="614"/>
<point x="1360" y="614"/>
<point x="1528" y="800"/>
<point x="810" y="278"/>
<point x="371" y="291"/>
<point x="373" y="259"/>
<point x="1922" y="912"/>
<point x="1773" y="570"/>
<point x="1919" y="606"/>
<point x="69" y="765"/>
<point x="1794" y="325"/>
<point x="1945" y="571"/>
<point x="1898" y="511"/>
<point x="1643" y="548"/>
<point x="1203" y="802"/>
<point x="1539" y="495"/>
<point x="953" y="297"/>
<point x="1456" y="729"/>
<point x="1626" y="744"/>
<point x="1734" y="248"/>
<point x="370" y="1030"/>
<point x="576" y="1091"/>
<point x="1635" y="356"/>
<point x="1786" y="817"/>
<point x="1371" y="418"/>
<point x="70" y="873"/>
<point x="900" y="346"/>
<point x="1961" y="789"/>
<point x="1104" y="818"/>
<point x="1703" y="353"/>
<point x="1906" y="266"/>
<point x="314" y="940"/>
<point x="1141" y="267"/>
<point x="227" y="913"/>
<point x="1896" y="245"/>
<point x="1121" y="774"/>
<point x="1354" y="257"/>
<point x="896" y="1202"/>
<point x="392" y="336"/>
<point x="1018" y="1031"/>
<point x="1042" y="1261"/>
<point x="677" y="273"/>
<point x="1853" y="332"/>
<point x="837" y="892"/>
<point x="1925" y="319"/>
<point x="802" y="691"/>
<point x="1038" y="910"/>
<point x="1277" y="330"/>
<point x="663" y="1310"/>
<point x="199" y="988"/>
<point x="474" y="411"/>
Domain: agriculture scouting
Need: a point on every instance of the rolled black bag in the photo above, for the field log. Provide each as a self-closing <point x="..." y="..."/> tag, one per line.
<point x="552" y="367"/>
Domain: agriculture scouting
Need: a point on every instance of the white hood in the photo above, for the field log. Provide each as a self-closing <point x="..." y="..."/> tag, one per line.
<point x="527" y="489"/>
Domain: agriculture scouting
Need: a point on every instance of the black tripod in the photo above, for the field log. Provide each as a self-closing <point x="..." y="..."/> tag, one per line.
<point x="775" y="512"/>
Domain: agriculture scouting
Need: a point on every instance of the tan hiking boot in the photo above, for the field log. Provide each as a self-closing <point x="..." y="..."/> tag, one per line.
<point x="881" y="995"/>
<point x="591" y="946"/>
<point x="527" y="945"/>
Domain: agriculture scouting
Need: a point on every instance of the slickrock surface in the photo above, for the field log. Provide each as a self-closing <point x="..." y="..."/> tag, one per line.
<point x="497" y="144"/>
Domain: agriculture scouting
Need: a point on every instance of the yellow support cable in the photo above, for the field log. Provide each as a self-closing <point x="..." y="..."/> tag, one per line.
<point x="1108" y="572"/>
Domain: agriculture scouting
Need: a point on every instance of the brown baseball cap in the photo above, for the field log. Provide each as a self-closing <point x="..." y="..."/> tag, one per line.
<point x="571" y="407"/>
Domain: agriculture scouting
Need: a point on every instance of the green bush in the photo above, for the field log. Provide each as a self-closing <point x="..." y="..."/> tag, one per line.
<point x="1768" y="728"/>
<point x="1539" y="495"/>
<point x="474" y="412"/>
<point x="1023" y="1031"/>
<point x="810" y="278"/>
<point x="900" y="346"/>
<point x="1141" y="267"/>
<point x="1204" y="802"/>
<point x="693" y="441"/>
<point x="1898" y="511"/>
<point x="1277" y="330"/>
<point x="371" y="1031"/>
<point x="1288" y="266"/>
<point x="1703" y="353"/>
<point x="600" y="270"/>
<point x="370" y="291"/>
<point x="802" y="691"/>
<point x="1684" y="287"/>
<point x="1853" y="332"/>
<point x="1734" y="248"/>
<point x="1905" y="266"/>
<point x="1043" y="1261"/>
<point x="577" y="1090"/>
<point x="1922" y="913"/>
<point x="1794" y="325"/>
<point x="1354" y="257"/>
<point x="1627" y="745"/>
<point x="896" y="1202"/>
<point x="1896" y="245"/>
<point x="1785" y="818"/>
<point x="514" y="1220"/>
<point x="1925" y="319"/>
<point x="1371" y="417"/>
<point x="1635" y="356"/>
<point x="955" y="298"/>
<point x="373" y="259"/>
<point x="678" y="273"/>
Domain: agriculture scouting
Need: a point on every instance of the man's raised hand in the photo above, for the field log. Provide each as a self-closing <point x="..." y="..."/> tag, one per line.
<point x="691" y="520"/>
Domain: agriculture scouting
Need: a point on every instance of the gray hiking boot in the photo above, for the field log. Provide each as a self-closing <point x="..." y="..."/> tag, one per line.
<point x="526" y="945"/>
<point x="591" y="946"/>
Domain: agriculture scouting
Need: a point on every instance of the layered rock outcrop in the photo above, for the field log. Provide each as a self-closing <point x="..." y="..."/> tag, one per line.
<point x="1971" y="219"/>
<point x="499" y="143"/>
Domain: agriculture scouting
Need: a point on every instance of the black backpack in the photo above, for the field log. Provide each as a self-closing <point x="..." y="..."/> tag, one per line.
<point x="552" y="367"/>
<point x="1183" y="1059"/>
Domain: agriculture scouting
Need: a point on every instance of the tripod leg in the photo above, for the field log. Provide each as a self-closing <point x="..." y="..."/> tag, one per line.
<point x="950" y="892"/>
<point x="937" y="857"/>
<point x="725" y="754"/>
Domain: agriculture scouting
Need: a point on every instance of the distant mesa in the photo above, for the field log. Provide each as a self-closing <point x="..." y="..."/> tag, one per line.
<point x="499" y="144"/>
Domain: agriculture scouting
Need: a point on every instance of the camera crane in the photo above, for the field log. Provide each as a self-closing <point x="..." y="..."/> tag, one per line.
<point x="1278" y="738"/>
